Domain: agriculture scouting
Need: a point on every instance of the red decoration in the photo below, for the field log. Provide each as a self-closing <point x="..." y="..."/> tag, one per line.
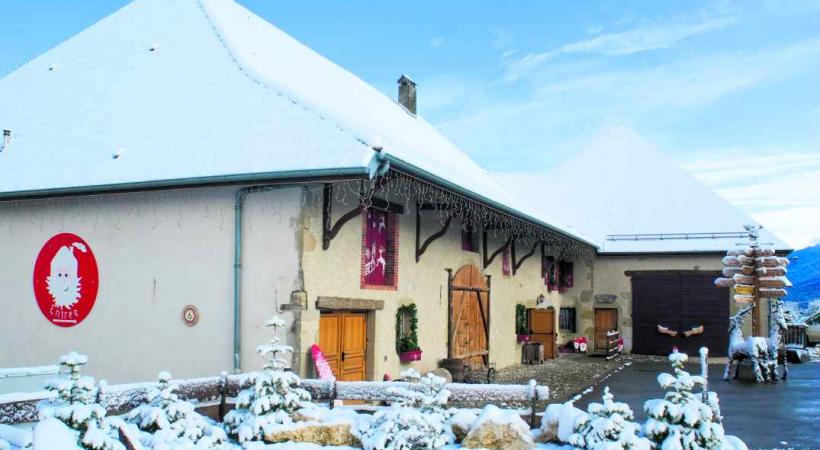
<point x="323" y="369"/>
<point x="66" y="280"/>
<point x="375" y="250"/>
<point x="506" y="267"/>
<point x="412" y="355"/>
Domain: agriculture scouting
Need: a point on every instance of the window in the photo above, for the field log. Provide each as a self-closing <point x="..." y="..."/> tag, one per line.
<point x="566" y="320"/>
<point x="469" y="239"/>
<point x="380" y="250"/>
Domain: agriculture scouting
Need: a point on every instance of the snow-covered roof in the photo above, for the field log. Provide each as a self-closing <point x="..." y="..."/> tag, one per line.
<point x="193" y="91"/>
<point x="619" y="184"/>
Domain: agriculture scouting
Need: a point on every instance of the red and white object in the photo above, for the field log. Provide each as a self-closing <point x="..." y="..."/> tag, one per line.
<point x="66" y="280"/>
<point x="323" y="369"/>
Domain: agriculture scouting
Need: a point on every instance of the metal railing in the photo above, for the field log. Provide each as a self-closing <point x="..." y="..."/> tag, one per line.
<point x="675" y="236"/>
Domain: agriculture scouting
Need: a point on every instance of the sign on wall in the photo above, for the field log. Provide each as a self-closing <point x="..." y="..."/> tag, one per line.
<point x="65" y="280"/>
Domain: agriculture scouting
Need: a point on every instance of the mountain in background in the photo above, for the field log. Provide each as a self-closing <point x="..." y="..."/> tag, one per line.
<point x="804" y="273"/>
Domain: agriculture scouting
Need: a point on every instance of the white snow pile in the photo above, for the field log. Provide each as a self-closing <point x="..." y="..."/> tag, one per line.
<point x="559" y="421"/>
<point x="75" y="410"/>
<point x="168" y="422"/>
<point x="272" y="399"/>
<point x="417" y="419"/>
<point x="681" y="420"/>
<point x="608" y="426"/>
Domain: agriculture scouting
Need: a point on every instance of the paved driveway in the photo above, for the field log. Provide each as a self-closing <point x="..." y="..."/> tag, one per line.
<point x="762" y="415"/>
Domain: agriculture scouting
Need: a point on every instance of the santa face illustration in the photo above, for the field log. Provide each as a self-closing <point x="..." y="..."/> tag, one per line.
<point x="63" y="282"/>
<point x="66" y="280"/>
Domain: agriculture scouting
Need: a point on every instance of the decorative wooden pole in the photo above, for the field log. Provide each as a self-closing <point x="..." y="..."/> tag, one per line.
<point x="755" y="273"/>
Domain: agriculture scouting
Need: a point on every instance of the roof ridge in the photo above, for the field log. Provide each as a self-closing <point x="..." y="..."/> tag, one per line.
<point x="257" y="80"/>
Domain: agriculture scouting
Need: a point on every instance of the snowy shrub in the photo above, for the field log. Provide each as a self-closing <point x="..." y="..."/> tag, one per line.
<point x="681" y="420"/>
<point x="558" y="422"/>
<point x="417" y="419"/>
<point x="76" y="406"/>
<point x="608" y="426"/>
<point x="272" y="399"/>
<point x="173" y="423"/>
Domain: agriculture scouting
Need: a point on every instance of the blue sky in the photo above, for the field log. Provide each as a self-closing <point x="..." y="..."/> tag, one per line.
<point x="731" y="90"/>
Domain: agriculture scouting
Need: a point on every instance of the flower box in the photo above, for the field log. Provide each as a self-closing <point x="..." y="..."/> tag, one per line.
<point x="412" y="355"/>
<point x="523" y="338"/>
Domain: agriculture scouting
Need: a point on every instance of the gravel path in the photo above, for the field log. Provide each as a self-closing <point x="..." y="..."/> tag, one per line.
<point x="568" y="375"/>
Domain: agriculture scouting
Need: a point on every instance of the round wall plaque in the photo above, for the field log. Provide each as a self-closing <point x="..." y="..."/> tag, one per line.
<point x="190" y="315"/>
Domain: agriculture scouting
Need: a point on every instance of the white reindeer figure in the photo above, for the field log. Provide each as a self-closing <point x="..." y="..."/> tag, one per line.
<point x="740" y="348"/>
<point x="775" y="343"/>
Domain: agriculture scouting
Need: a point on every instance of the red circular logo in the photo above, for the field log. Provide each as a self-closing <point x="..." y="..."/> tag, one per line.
<point x="66" y="280"/>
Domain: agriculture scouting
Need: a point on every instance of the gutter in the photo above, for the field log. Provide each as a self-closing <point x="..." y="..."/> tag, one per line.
<point x="191" y="182"/>
<point x="413" y="170"/>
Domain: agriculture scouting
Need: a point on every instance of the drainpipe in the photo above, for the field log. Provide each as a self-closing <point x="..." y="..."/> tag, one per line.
<point x="241" y="194"/>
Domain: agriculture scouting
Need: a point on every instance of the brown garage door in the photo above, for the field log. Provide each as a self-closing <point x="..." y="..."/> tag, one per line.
<point x="680" y="302"/>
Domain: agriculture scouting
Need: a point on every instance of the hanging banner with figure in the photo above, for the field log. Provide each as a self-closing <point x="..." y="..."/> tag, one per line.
<point x="65" y="280"/>
<point x="375" y="249"/>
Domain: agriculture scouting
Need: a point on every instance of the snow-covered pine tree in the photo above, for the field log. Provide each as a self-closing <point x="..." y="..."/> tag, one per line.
<point x="415" y="420"/>
<point x="170" y="422"/>
<point x="76" y="406"/>
<point x="681" y="420"/>
<point x="608" y="426"/>
<point x="274" y="396"/>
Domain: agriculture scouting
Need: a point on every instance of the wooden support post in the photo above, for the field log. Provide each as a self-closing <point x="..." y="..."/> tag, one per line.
<point x="449" y="313"/>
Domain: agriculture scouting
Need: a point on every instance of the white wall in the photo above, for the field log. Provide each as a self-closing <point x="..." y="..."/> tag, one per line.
<point x="156" y="252"/>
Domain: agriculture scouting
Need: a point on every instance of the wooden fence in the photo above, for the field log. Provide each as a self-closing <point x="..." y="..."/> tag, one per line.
<point x="218" y="392"/>
<point x="612" y="348"/>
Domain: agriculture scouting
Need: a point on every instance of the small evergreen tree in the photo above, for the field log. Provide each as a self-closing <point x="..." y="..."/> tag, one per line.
<point x="274" y="396"/>
<point x="416" y="419"/>
<point x="681" y="420"/>
<point x="608" y="426"/>
<point x="76" y="406"/>
<point x="173" y="423"/>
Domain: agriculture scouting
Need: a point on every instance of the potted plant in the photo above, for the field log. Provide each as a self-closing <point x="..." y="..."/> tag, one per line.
<point x="523" y="334"/>
<point x="407" y="340"/>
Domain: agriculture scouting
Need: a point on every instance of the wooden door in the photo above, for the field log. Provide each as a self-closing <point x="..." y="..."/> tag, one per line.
<point x="542" y="329"/>
<point x="343" y="338"/>
<point x="605" y="320"/>
<point x="469" y="316"/>
<point x="681" y="302"/>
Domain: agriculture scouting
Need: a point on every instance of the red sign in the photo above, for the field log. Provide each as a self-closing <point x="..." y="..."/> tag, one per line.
<point x="65" y="280"/>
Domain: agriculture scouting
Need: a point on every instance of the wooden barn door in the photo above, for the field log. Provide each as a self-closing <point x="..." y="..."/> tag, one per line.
<point x="343" y="338"/>
<point x="692" y="311"/>
<point x="469" y="316"/>
<point x="542" y="330"/>
<point x="605" y="320"/>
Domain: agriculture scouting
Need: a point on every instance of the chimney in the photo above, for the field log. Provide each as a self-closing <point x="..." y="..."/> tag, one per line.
<point x="407" y="94"/>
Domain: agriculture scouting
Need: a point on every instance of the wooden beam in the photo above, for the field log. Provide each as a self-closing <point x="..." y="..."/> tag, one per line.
<point x="386" y="205"/>
<point x="329" y="229"/>
<point x="420" y="249"/>
<point x="489" y="260"/>
<point x="517" y="264"/>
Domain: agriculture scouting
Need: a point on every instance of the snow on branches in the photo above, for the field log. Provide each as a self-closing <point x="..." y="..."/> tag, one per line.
<point x="76" y="406"/>
<point x="169" y="422"/>
<point x="417" y="419"/>
<point x="608" y="426"/>
<point x="681" y="420"/>
<point x="274" y="396"/>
